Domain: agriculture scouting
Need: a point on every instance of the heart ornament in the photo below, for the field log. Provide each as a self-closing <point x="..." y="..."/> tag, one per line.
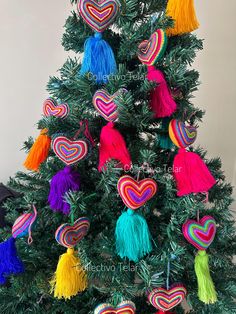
<point x="126" y="307"/>
<point x="70" y="152"/>
<point x="200" y="234"/>
<point x="166" y="300"/>
<point x="51" y="108"/>
<point x="152" y="50"/>
<point x="69" y="236"/>
<point x="182" y="135"/>
<point x="99" y="14"/>
<point x="136" y="193"/>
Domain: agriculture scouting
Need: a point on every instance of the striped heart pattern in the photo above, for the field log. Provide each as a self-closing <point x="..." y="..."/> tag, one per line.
<point x="165" y="300"/>
<point x="136" y="193"/>
<point x="200" y="234"/>
<point x="152" y="50"/>
<point x="126" y="307"/>
<point x="69" y="236"/>
<point x="22" y="224"/>
<point x="180" y="134"/>
<point x="99" y="15"/>
<point x="52" y="108"/>
<point x="70" y="152"/>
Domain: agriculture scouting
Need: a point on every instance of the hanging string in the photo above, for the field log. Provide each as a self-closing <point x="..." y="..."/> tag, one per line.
<point x="168" y="275"/>
<point x="30" y="239"/>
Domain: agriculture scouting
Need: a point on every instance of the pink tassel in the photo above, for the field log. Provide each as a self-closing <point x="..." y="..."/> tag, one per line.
<point x="112" y="146"/>
<point x="162" y="312"/>
<point x="162" y="103"/>
<point x="191" y="173"/>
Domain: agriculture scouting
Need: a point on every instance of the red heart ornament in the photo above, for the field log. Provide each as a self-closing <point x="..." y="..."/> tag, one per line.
<point x="136" y="193"/>
<point x="51" y="108"/>
<point x="126" y="307"/>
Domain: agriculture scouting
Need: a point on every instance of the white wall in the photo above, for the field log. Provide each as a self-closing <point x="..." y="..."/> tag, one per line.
<point x="30" y="35"/>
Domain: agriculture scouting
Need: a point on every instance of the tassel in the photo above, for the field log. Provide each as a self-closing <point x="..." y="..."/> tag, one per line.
<point x="69" y="278"/>
<point x="164" y="312"/>
<point x="191" y="173"/>
<point x="38" y="152"/>
<point x="10" y="263"/>
<point x="165" y="142"/>
<point x="98" y="59"/>
<point x="183" y="12"/>
<point x="65" y="180"/>
<point x="206" y="288"/>
<point x="112" y="146"/>
<point x="133" y="239"/>
<point x="162" y="103"/>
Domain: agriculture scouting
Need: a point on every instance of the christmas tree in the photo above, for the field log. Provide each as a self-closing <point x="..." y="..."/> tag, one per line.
<point x="115" y="196"/>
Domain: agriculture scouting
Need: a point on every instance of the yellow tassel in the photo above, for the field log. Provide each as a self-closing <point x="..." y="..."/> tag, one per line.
<point x="38" y="152"/>
<point x="69" y="278"/>
<point x="184" y="15"/>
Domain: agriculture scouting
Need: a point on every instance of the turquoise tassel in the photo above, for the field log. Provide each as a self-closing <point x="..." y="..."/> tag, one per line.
<point x="133" y="239"/>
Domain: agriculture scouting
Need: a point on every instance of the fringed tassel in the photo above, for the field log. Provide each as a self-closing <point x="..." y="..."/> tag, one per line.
<point x="70" y="278"/>
<point x="184" y="15"/>
<point x="99" y="59"/>
<point x="206" y="288"/>
<point x="112" y="146"/>
<point x="38" y="152"/>
<point x="164" y="312"/>
<point x="133" y="239"/>
<point x="10" y="262"/>
<point x="162" y="103"/>
<point x="64" y="181"/>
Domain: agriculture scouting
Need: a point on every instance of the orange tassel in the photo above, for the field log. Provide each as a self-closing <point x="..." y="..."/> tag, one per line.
<point x="38" y="152"/>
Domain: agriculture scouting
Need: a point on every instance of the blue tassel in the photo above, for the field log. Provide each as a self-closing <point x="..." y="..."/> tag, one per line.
<point x="10" y="263"/>
<point x="99" y="59"/>
<point x="133" y="239"/>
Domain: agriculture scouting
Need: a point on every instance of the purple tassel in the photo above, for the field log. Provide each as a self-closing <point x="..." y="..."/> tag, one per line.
<point x="64" y="181"/>
<point x="10" y="263"/>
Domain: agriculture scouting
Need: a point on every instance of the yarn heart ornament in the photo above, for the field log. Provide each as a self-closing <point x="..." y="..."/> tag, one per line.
<point x="136" y="193"/>
<point x="126" y="307"/>
<point x="69" y="236"/>
<point x="200" y="234"/>
<point x="52" y="108"/>
<point x="166" y="300"/>
<point x="152" y="50"/>
<point x="99" y="15"/>
<point x="181" y="135"/>
<point x="70" y="151"/>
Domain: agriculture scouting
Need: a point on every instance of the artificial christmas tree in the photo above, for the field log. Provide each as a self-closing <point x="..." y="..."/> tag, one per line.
<point x="136" y="261"/>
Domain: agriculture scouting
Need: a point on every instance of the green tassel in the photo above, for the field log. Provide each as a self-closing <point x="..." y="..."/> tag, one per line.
<point x="165" y="142"/>
<point x="133" y="239"/>
<point x="206" y="288"/>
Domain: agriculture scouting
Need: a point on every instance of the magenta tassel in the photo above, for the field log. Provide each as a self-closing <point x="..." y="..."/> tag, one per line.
<point x="64" y="181"/>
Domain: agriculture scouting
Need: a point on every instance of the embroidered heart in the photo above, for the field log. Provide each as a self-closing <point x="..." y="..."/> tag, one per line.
<point x="126" y="307"/>
<point x="99" y="15"/>
<point x="151" y="51"/>
<point x="136" y="193"/>
<point x="200" y="234"/>
<point x="165" y="300"/>
<point x="182" y="135"/>
<point x="51" y="108"/>
<point x="69" y="151"/>
<point x="69" y="236"/>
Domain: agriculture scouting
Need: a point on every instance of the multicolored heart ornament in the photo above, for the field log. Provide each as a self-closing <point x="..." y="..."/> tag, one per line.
<point x="99" y="14"/>
<point x="165" y="300"/>
<point x="70" y="152"/>
<point x="126" y="307"/>
<point x="152" y="50"/>
<point x="136" y="193"/>
<point x="200" y="234"/>
<point x="182" y="135"/>
<point x="52" y="108"/>
<point x="69" y="236"/>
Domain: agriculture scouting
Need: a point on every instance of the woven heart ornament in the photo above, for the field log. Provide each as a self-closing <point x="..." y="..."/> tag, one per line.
<point x="126" y="307"/>
<point x="200" y="234"/>
<point x="136" y="193"/>
<point x="152" y="50"/>
<point x="165" y="300"/>
<point x="69" y="236"/>
<point x="181" y="135"/>
<point x="52" y="108"/>
<point x="99" y="15"/>
<point x="70" y="152"/>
